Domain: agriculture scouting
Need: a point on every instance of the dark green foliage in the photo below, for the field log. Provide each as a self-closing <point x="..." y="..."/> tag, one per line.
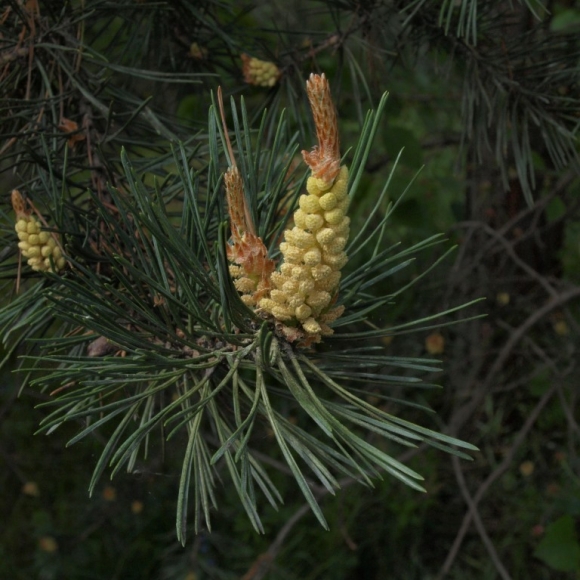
<point x="144" y="357"/>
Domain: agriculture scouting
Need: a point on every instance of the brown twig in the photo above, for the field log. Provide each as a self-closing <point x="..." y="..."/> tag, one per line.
<point x="492" y="477"/>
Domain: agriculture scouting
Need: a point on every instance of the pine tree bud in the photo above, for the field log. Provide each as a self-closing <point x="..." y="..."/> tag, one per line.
<point x="38" y="247"/>
<point x="260" y="73"/>
<point x="313" y="250"/>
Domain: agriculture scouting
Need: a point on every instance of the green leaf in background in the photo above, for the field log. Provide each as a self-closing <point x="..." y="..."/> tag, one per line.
<point x="566" y="21"/>
<point x="189" y="109"/>
<point x="397" y="138"/>
<point x="555" y="209"/>
<point x="559" y="548"/>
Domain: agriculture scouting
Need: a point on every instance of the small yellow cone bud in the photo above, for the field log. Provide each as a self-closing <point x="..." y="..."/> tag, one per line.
<point x="309" y="203"/>
<point x="277" y="296"/>
<point x="335" y="261"/>
<point x="330" y="282"/>
<point x="303" y="312"/>
<point x="248" y="299"/>
<point x="319" y="300"/>
<point x="325" y="236"/>
<point x="278" y="279"/>
<point x="245" y="285"/>
<point x="306" y="286"/>
<point x="300" y="218"/>
<point x="435" y="343"/>
<point x="300" y="272"/>
<point x="312" y="257"/>
<point x="328" y="201"/>
<point x="313" y="222"/>
<point x="321" y="271"/>
<point x="334" y="217"/>
<point x="311" y="326"/>
<point x="295" y="301"/>
<point x="282" y="313"/>
<point x="290" y="287"/>
<point x="37" y="246"/>
<point x="260" y="73"/>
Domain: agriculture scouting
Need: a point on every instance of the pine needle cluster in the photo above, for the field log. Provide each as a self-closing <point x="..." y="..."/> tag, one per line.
<point x="160" y="308"/>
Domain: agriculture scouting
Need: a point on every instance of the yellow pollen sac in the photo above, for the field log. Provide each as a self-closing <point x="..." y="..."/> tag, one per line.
<point x="312" y="257"/>
<point x="296" y="300"/>
<point x="290" y="287"/>
<point x="306" y="286"/>
<point x="325" y="236"/>
<point x="317" y="186"/>
<point x="339" y="243"/>
<point x="330" y="282"/>
<point x="293" y="254"/>
<point x="336" y="261"/>
<point x="267" y="304"/>
<point x="343" y="204"/>
<point x="245" y="285"/>
<point x="321" y="271"/>
<point x="340" y="187"/>
<point x="300" y="272"/>
<point x="277" y="296"/>
<point x="46" y="251"/>
<point x="334" y="216"/>
<point x="309" y="203"/>
<point x="300" y="218"/>
<point x="328" y="201"/>
<point x="303" y="312"/>
<point x="278" y="279"/>
<point x="248" y="300"/>
<point x="301" y="238"/>
<point x="319" y="300"/>
<point x="33" y="227"/>
<point x="282" y="313"/>
<point x="311" y="326"/>
<point x="21" y="225"/>
<point x="313" y="222"/>
<point x="286" y="269"/>
<point x="343" y="228"/>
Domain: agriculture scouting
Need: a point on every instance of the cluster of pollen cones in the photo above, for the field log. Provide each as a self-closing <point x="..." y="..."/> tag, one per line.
<point x="300" y="295"/>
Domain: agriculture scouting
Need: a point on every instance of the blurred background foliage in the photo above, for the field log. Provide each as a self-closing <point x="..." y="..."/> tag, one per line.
<point x="485" y="100"/>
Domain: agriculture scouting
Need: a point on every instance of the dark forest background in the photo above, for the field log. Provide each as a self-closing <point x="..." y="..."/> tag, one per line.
<point x="484" y="101"/>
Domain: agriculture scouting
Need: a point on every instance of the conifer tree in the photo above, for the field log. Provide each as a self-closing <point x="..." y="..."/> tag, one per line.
<point x="180" y="276"/>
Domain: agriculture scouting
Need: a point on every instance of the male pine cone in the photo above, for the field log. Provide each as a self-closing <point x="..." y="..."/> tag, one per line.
<point x="305" y="288"/>
<point x="314" y="254"/>
<point x="38" y="247"/>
